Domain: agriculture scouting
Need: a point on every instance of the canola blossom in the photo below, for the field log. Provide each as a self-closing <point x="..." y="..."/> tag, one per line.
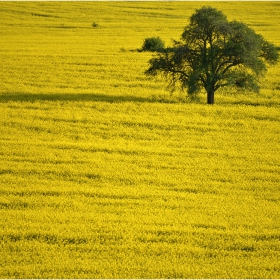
<point x="104" y="174"/>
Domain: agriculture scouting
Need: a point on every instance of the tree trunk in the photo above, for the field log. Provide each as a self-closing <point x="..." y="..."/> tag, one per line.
<point x="210" y="96"/>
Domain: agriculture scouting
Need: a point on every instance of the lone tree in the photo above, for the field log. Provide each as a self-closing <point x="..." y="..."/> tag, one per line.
<point x="214" y="53"/>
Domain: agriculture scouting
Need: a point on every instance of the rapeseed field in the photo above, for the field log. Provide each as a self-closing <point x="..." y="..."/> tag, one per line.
<point x="104" y="174"/>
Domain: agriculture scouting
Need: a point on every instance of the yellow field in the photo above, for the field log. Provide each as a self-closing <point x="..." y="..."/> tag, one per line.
<point x="103" y="174"/>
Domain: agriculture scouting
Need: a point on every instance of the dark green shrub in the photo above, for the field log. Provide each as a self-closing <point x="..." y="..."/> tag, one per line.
<point x="153" y="44"/>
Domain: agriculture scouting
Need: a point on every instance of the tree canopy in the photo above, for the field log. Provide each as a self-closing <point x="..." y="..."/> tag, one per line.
<point x="214" y="53"/>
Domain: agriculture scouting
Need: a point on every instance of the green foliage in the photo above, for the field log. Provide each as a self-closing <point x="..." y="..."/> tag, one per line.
<point x="94" y="25"/>
<point x="153" y="44"/>
<point x="214" y="53"/>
